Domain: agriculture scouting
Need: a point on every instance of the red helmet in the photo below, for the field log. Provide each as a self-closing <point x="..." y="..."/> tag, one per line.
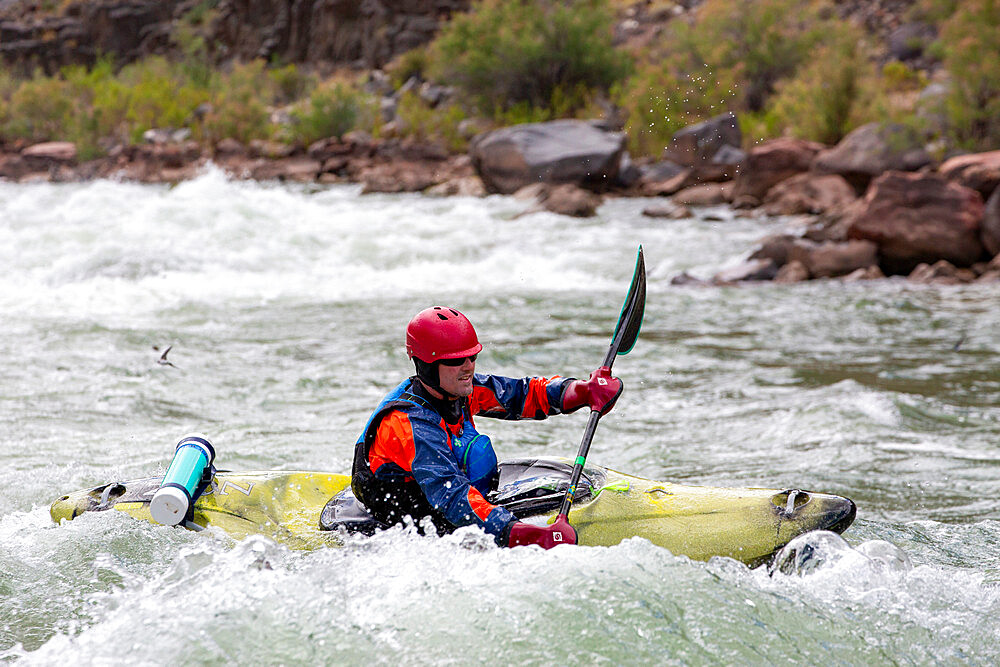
<point x="440" y="333"/>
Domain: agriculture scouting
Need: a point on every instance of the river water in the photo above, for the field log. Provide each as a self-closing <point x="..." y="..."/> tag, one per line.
<point x="285" y="307"/>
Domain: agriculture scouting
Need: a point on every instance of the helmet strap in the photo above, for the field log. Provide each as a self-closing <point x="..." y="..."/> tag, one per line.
<point x="429" y="375"/>
<point x="449" y="407"/>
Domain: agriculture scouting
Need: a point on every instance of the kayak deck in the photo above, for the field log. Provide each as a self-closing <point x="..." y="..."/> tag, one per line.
<point x="700" y="522"/>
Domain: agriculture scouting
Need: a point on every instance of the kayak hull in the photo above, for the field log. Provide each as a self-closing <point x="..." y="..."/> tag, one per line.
<point x="746" y="524"/>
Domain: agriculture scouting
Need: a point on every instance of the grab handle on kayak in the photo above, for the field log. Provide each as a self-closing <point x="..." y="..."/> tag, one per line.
<point x="171" y="502"/>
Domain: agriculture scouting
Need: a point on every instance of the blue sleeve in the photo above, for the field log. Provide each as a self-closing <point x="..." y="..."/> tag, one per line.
<point x="510" y="398"/>
<point x="446" y="488"/>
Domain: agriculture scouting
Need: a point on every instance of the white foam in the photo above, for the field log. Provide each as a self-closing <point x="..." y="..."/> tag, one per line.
<point x="109" y="249"/>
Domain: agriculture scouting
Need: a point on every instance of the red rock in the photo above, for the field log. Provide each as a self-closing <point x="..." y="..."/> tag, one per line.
<point x="793" y="272"/>
<point x="324" y="149"/>
<point x="670" y="211"/>
<point x="867" y="273"/>
<point x="565" y="199"/>
<point x="273" y="150"/>
<point x="708" y="194"/>
<point x="827" y="260"/>
<point x="771" y="163"/>
<point x="809" y="193"/>
<point x="230" y="148"/>
<point x="990" y="231"/>
<point x="396" y="177"/>
<point x="571" y="200"/>
<point x="51" y="151"/>
<point x="300" y="169"/>
<point x="776" y="248"/>
<point x="672" y="185"/>
<point x="13" y="167"/>
<point x="466" y="186"/>
<point x="919" y="218"/>
<point x="940" y="273"/>
<point x="979" y="171"/>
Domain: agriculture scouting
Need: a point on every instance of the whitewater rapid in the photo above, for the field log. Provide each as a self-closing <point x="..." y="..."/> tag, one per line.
<point x="285" y="307"/>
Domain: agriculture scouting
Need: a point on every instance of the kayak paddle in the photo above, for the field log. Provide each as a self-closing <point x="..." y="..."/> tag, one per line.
<point x="626" y="331"/>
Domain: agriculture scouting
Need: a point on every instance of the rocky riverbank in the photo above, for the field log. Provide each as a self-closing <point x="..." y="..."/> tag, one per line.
<point x="874" y="205"/>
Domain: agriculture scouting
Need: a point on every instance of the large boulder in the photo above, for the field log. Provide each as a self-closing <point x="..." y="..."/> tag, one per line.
<point x="919" y="218"/>
<point x="771" y="163"/>
<point x="979" y="171"/>
<point x="697" y="144"/>
<point x="990" y="232"/>
<point x="871" y="150"/>
<point x="828" y="260"/>
<point x="710" y="149"/>
<point x="809" y="193"/>
<point x="560" y="151"/>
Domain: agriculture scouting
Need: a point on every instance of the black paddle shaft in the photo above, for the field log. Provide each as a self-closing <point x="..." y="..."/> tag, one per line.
<point x="626" y="332"/>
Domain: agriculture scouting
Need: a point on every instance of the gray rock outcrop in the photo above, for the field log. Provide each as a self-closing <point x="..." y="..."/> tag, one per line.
<point x="559" y="151"/>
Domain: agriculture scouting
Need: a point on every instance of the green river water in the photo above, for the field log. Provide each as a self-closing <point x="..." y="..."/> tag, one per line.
<point x="285" y="307"/>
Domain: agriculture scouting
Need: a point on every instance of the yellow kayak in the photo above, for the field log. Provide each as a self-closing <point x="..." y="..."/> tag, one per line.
<point x="310" y="509"/>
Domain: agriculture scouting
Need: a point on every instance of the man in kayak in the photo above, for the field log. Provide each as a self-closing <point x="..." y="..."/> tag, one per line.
<point x="420" y="454"/>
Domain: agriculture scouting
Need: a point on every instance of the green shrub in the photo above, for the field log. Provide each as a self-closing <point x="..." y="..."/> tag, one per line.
<point x="331" y="111"/>
<point x="970" y="39"/>
<point x="898" y="76"/>
<point x="932" y="11"/>
<point x="99" y="90"/>
<point x="159" y="94"/>
<point x="832" y="94"/>
<point x="41" y="109"/>
<point x="238" y="106"/>
<point x="97" y="106"/>
<point x="415" y="62"/>
<point x="761" y="41"/>
<point x="291" y="83"/>
<point x="190" y="36"/>
<point x="506" y="54"/>
<point x="734" y="57"/>
<point x="419" y="121"/>
<point x="661" y="99"/>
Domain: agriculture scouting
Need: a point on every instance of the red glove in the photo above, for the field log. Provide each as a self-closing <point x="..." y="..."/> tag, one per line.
<point x="599" y="392"/>
<point x="523" y="534"/>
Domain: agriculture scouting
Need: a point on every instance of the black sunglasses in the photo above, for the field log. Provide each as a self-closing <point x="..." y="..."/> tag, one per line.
<point x="459" y="361"/>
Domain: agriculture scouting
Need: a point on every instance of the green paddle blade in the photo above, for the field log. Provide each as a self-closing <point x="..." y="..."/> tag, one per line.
<point x="630" y="320"/>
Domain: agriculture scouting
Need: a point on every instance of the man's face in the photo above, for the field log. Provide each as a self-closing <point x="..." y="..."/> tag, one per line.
<point x="457" y="380"/>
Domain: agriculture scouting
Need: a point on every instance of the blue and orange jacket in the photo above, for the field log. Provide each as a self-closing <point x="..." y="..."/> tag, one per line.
<point x="405" y="463"/>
